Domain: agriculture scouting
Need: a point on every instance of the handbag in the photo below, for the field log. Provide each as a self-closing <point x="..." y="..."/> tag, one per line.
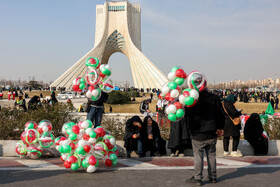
<point x="235" y="121"/>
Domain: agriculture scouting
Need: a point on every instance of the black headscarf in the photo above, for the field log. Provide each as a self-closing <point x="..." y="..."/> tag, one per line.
<point x="130" y="129"/>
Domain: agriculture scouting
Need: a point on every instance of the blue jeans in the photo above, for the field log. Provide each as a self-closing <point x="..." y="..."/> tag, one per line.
<point x="95" y="115"/>
<point x="132" y="142"/>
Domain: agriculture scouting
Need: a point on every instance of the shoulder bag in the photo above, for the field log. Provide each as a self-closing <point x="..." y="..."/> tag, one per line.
<point x="236" y="121"/>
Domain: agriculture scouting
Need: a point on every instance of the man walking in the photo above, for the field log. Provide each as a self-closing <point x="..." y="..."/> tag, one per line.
<point x="205" y="121"/>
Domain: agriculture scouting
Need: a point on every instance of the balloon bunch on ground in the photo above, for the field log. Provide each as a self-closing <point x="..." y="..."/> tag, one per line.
<point x="84" y="146"/>
<point x="177" y="93"/>
<point x="34" y="139"/>
<point x="96" y="79"/>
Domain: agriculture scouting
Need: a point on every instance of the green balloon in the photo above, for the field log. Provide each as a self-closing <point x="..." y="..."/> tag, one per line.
<point x="67" y="148"/>
<point x="172" y="85"/>
<point x="80" y="150"/>
<point x="97" y="163"/>
<point x="114" y="149"/>
<point x="172" y="117"/>
<point x="30" y="126"/>
<point x="179" y="81"/>
<point x="90" y="123"/>
<point x="60" y="149"/>
<point x="180" y="113"/>
<point x="82" y="86"/>
<point x="74" y="166"/>
<point x="189" y="101"/>
<point x="94" y="98"/>
<point x="115" y="162"/>
<point x="113" y="157"/>
<point x="85" y="163"/>
<point x="69" y="131"/>
<point x="174" y="69"/>
<point x="92" y="134"/>
<point x="106" y="72"/>
<point x="82" y="80"/>
<point x="72" y="136"/>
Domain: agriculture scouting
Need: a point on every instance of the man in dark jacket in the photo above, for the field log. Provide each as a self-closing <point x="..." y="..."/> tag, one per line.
<point x="205" y="121"/>
<point x="144" y="106"/>
<point x="95" y="109"/>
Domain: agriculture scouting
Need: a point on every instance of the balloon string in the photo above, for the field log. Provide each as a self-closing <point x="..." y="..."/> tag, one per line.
<point x="194" y="85"/>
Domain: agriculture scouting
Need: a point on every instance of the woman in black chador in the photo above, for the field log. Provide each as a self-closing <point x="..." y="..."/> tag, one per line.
<point x="179" y="138"/>
<point x="154" y="142"/>
<point x="253" y="133"/>
<point x="134" y="136"/>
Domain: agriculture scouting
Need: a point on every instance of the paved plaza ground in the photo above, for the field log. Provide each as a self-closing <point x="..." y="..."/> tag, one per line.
<point x="149" y="171"/>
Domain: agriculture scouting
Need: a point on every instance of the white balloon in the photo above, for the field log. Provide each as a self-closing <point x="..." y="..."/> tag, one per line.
<point x="112" y="141"/>
<point x="44" y="124"/>
<point x="57" y="147"/>
<point x="164" y="90"/>
<point x="82" y="143"/>
<point x="45" y="129"/>
<point x="194" y="94"/>
<point x="102" y="67"/>
<point x="91" y="169"/>
<point x="84" y="125"/>
<point x="171" y="76"/>
<point x="64" y="157"/>
<point x="108" y="67"/>
<point x="182" y="99"/>
<point x="171" y="109"/>
<point x="65" y="142"/>
<point x="82" y="132"/>
<point x="174" y="93"/>
<point x="89" y="94"/>
<point x="88" y="130"/>
<point x="91" y="140"/>
<point x="95" y="93"/>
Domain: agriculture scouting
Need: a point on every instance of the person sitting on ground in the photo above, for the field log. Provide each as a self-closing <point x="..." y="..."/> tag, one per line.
<point x="1" y="94"/>
<point x="20" y="103"/>
<point x="144" y="107"/>
<point x="134" y="136"/>
<point x="231" y="130"/>
<point x="53" y="99"/>
<point x="154" y="143"/>
<point x="254" y="134"/>
<point x="34" y="103"/>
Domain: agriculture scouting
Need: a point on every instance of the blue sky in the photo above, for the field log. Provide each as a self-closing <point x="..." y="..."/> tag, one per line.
<point x="224" y="39"/>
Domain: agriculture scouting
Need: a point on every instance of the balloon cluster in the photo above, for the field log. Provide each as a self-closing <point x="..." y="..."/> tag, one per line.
<point x="96" y="79"/>
<point x="179" y="98"/>
<point x="84" y="146"/>
<point x="34" y="139"/>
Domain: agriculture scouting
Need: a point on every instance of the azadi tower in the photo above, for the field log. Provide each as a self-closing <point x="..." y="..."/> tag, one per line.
<point x="118" y="29"/>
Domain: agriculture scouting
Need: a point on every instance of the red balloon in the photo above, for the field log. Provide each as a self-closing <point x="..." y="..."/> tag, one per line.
<point x="92" y="61"/>
<point x="67" y="164"/>
<point x="72" y="145"/>
<point x="40" y="130"/>
<point x="91" y="88"/>
<point x="108" y="143"/>
<point x="108" y="162"/>
<point x="168" y="98"/>
<point x="117" y="152"/>
<point x="100" y="132"/>
<point x="50" y="127"/>
<point x="72" y="159"/>
<point x="76" y="88"/>
<point x="180" y="73"/>
<point x="186" y="93"/>
<point x="102" y="75"/>
<point x="87" y="148"/>
<point x="92" y="160"/>
<point x="76" y="129"/>
<point x="179" y="89"/>
<point x="178" y="105"/>
<point x="86" y="137"/>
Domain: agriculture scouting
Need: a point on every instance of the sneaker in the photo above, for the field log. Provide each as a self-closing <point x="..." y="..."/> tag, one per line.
<point x="181" y="155"/>
<point x="173" y="155"/>
<point x="235" y="154"/>
<point x="194" y="181"/>
<point x="212" y="180"/>
<point x="226" y="153"/>
<point x="177" y="153"/>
